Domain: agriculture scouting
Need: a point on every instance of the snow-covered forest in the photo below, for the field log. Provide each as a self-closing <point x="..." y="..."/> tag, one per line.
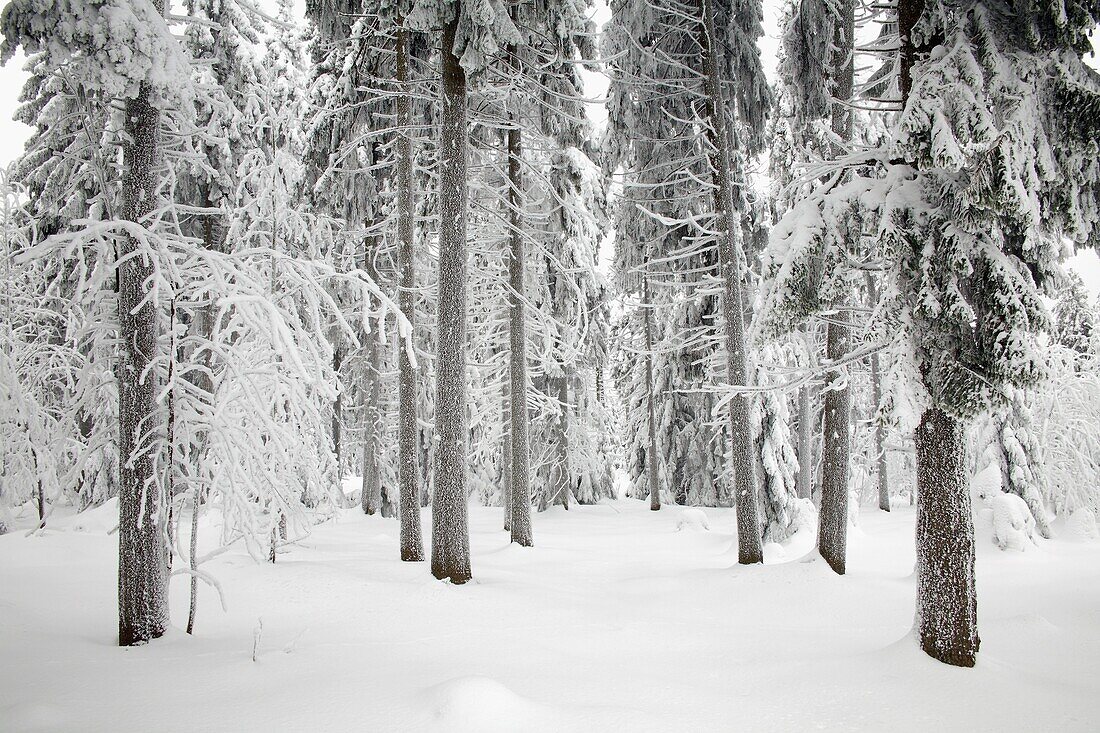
<point x="475" y="365"/>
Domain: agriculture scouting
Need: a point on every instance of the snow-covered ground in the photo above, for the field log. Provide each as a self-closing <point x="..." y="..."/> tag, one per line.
<point x="619" y="619"/>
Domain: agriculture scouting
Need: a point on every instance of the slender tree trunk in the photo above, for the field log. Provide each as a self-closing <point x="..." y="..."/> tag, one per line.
<point x="876" y="396"/>
<point x="563" y="483"/>
<point x="832" y="531"/>
<point x="750" y="547"/>
<point x="338" y="421"/>
<point x="450" y="529"/>
<point x="142" y="569"/>
<point x="193" y="550"/>
<point x="832" y="536"/>
<point x="408" y="468"/>
<point x="805" y="442"/>
<point x="372" y="445"/>
<point x="651" y="456"/>
<point x="506" y="454"/>
<point x="519" y="437"/>
<point x="947" y="605"/>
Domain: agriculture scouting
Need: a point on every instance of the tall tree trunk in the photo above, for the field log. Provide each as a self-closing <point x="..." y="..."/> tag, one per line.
<point x="506" y="453"/>
<point x="947" y="601"/>
<point x="749" y="545"/>
<point x="832" y="531"/>
<point x="142" y="569"/>
<point x="338" y="421"/>
<point x="371" y="499"/>
<point x="563" y="476"/>
<point x="450" y="529"/>
<point x="805" y="442"/>
<point x="882" y="476"/>
<point x="408" y="468"/>
<point x="832" y="534"/>
<point x="519" y="438"/>
<point x="651" y="455"/>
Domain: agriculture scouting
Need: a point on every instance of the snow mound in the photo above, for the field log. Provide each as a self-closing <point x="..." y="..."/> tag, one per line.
<point x="693" y="518"/>
<point x="1082" y="525"/>
<point x="478" y="703"/>
<point x="1013" y="525"/>
<point x="98" y="520"/>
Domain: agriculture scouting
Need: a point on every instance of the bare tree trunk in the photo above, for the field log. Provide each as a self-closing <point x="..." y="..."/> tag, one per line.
<point x="832" y="531"/>
<point x="519" y="438"/>
<point x="450" y="529"/>
<point x="506" y="454"/>
<point x="142" y="570"/>
<point x="563" y="479"/>
<point x="876" y="396"/>
<point x="832" y="536"/>
<point x="750" y="548"/>
<point x="408" y="468"/>
<point x="338" y="421"/>
<point x="651" y="457"/>
<point x="805" y="442"/>
<point x="371" y="499"/>
<point x="196" y="503"/>
<point x="947" y="602"/>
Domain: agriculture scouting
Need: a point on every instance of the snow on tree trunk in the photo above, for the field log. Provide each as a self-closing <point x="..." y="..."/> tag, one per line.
<point x="338" y="420"/>
<point x="832" y="530"/>
<point x="506" y="453"/>
<point x="450" y="530"/>
<point x="651" y="454"/>
<point x="142" y="547"/>
<point x="749" y="545"/>
<point x="562" y="481"/>
<point x="881" y="475"/>
<point x="408" y="469"/>
<point x="947" y="604"/>
<point x="519" y="492"/>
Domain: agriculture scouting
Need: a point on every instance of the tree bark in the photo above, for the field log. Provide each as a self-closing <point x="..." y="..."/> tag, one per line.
<point x="563" y="479"/>
<point x="832" y="532"/>
<point x="881" y="474"/>
<point x="338" y="421"/>
<point x="947" y="604"/>
<point x="805" y="442"/>
<point x="651" y="457"/>
<point x="371" y="497"/>
<point x="749" y="544"/>
<point x="450" y="529"/>
<point x="142" y="568"/>
<point x="506" y="453"/>
<point x="408" y="468"/>
<point x="832" y="537"/>
<point x="519" y="437"/>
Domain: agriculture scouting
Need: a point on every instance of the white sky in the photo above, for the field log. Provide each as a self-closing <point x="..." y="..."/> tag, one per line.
<point x="14" y="134"/>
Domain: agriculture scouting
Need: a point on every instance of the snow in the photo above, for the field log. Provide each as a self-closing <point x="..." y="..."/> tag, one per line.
<point x="1013" y="525"/>
<point x="614" y="621"/>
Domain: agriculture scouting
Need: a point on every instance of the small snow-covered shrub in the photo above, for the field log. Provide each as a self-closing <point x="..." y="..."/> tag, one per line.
<point x="1082" y="525"/>
<point x="693" y="518"/>
<point x="1013" y="524"/>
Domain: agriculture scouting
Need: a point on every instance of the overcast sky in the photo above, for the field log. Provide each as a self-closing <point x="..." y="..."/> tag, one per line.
<point x="14" y="134"/>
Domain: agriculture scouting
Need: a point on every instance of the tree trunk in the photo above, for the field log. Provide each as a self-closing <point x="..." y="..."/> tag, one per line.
<point x="651" y="457"/>
<point x="142" y="570"/>
<point x="450" y="530"/>
<point x="564" y="479"/>
<point x="947" y="604"/>
<point x="749" y="545"/>
<point x="876" y="396"/>
<point x="832" y="534"/>
<point x="805" y="442"/>
<point x="832" y="530"/>
<point x="338" y="421"/>
<point x="371" y="498"/>
<point x="519" y="438"/>
<point x="408" y="468"/>
<point x="506" y="454"/>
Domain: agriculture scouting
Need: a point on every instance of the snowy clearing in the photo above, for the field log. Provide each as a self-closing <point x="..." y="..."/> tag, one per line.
<point x="614" y="621"/>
